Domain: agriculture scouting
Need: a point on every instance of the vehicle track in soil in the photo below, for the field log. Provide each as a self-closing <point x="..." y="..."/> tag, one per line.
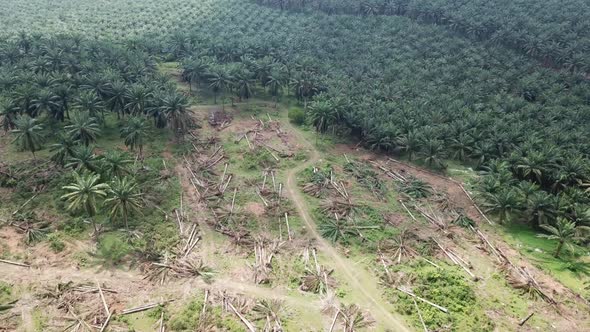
<point x="364" y="284"/>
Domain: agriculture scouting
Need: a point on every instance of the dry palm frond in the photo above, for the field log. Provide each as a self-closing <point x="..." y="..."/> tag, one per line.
<point x="271" y="311"/>
<point x="330" y="303"/>
<point x="354" y="319"/>
<point x="520" y="278"/>
<point x="181" y="268"/>
<point x="400" y="246"/>
<point x="337" y="207"/>
<point x="317" y="280"/>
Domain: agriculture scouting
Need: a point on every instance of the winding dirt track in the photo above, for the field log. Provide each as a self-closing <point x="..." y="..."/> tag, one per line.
<point x="363" y="284"/>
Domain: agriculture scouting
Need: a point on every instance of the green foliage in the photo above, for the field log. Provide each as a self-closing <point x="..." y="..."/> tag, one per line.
<point x="189" y="318"/>
<point x="449" y="289"/>
<point x="258" y="159"/>
<point x="464" y="221"/>
<point x="5" y="293"/>
<point x="28" y="134"/>
<point x="367" y="177"/>
<point x="112" y="248"/>
<point x="296" y="116"/>
<point x="416" y="188"/>
<point x="56" y="243"/>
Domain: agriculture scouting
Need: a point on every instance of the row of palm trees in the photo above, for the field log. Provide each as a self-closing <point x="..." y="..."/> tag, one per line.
<point x="552" y="32"/>
<point x="241" y="77"/>
<point x="87" y="194"/>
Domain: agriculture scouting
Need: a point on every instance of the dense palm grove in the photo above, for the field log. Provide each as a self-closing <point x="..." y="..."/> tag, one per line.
<point x="554" y="32"/>
<point x="57" y="92"/>
<point x="397" y="85"/>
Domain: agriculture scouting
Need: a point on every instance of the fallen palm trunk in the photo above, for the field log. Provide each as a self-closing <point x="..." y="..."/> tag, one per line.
<point x="144" y="307"/>
<point x="420" y="315"/>
<point x="246" y="322"/>
<point x="14" y="263"/>
<point x="522" y="322"/>
<point x="443" y="309"/>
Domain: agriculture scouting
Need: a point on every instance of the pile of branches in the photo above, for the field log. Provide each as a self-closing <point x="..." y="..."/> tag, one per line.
<point x="31" y="175"/>
<point x="319" y="182"/>
<point x="399" y="247"/>
<point x="86" y="304"/>
<point x="337" y="207"/>
<point x="179" y="268"/>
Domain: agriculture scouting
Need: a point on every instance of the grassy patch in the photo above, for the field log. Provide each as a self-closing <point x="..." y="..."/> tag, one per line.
<point x="570" y="269"/>
<point x="446" y="288"/>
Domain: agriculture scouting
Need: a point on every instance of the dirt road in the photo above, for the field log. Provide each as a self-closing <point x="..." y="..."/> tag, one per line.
<point x="363" y="283"/>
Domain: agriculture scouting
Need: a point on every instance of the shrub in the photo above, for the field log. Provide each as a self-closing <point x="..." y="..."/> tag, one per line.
<point x="449" y="289"/>
<point x="112" y="248"/>
<point x="55" y="243"/>
<point x="297" y="116"/>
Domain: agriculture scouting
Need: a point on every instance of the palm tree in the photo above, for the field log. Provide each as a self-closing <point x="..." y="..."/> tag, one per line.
<point x="565" y="231"/>
<point x="116" y="97"/>
<point x="541" y="207"/>
<point x="83" y="127"/>
<point x="8" y="114"/>
<point x="137" y="97"/>
<point x="275" y="83"/>
<point x="27" y="134"/>
<point x="174" y="106"/>
<point x="83" y="157"/>
<point x="135" y="132"/>
<point x="124" y="198"/>
<point x="82" y="195"/>
<point x="244" y="84"/>
<point x="219" y="81"/>
<point x="89" y="102"/>
<point x="503" y="203"/>
<point x="410" y="143"/>
<point x="115" y="163"/>
<point x="63" y="149"/>
<point x="433" y="153"/>
<point x="47" y="102"/>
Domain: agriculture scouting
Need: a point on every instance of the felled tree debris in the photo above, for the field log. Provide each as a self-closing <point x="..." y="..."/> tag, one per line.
<point x="319" y="182"/>
<point x="264" y="251"/>
<point x="367" y="178"/>
<point x="400" y="246"/>
<point x="317" y="278"/>
<point x="86" y="304"/>
<point x="337" y="207"/>
<point x="179" y="268"/>
<point x="219" y="118"/>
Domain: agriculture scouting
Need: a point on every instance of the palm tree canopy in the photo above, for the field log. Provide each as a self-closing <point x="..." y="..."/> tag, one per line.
<point x="84" y="192"/>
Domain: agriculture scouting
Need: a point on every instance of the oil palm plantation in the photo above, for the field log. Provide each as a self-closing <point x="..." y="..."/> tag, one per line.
<point x="124" y="199"/>
<point x="83" y="195"/>
<point x="27" y="134"/>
